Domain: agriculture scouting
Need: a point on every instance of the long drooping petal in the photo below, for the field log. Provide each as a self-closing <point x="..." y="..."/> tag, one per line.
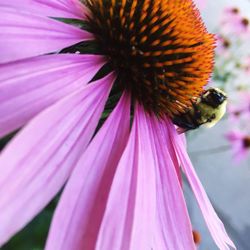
<point x="213" y="222"/>
<point x="174" y="227"/>
<point x="36" y="164"/>
<point x="78" y="216"/>
<point x="25" y="35"/>
<point x="129" y="218"/>
<point x="28" y="86"/>
<point x="51" y="8"/>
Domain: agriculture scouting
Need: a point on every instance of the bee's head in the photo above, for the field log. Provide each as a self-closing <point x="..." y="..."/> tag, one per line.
<point x="213" y="97"/>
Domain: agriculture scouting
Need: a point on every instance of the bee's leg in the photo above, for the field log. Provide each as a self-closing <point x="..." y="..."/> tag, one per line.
<point x="211" y="118"/>
<point x="196" y="118"/>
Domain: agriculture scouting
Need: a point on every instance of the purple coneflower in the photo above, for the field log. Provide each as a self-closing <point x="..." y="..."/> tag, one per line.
<point x="123" y="185"/>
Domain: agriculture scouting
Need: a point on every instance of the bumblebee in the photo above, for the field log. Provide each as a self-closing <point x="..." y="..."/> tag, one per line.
<point x="207" y="110"/>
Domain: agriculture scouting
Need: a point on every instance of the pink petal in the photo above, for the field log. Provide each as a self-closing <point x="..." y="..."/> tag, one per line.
<point x="173" y="156"/>
<point x="25" y="35"/>
<point x="36" y="164"/>
<point x="174" y="228"/>
<point x="53" y="8"/>
<point x="240" y="154"/>
<point x="214" y="224"/>
<point x="128" y="221"/>
<point x="78" y="216"/>
<point x="29" y="86"/>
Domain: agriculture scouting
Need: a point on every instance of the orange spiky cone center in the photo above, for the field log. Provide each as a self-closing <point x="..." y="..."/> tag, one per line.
<point x="160" y="49"/>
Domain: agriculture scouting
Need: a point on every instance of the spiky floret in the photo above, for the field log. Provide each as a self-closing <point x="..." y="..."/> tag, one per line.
<point x="160" y="49"/>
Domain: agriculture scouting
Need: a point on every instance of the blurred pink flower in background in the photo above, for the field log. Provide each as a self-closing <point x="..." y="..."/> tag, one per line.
<point x="222" y="45"/>
<point x="201" y="4"/>
<point x="232" y="22"/>
<point x="246" y="66"/>
<point x="239" y="108"/>
<point x="122" y="189"/>
<point x="240" y="143"/>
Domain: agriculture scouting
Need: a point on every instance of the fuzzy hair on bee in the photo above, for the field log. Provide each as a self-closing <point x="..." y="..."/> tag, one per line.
<point x="206" y="110"/>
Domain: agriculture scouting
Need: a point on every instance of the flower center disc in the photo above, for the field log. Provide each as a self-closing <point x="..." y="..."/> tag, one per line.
<point x="160" y="50"/>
